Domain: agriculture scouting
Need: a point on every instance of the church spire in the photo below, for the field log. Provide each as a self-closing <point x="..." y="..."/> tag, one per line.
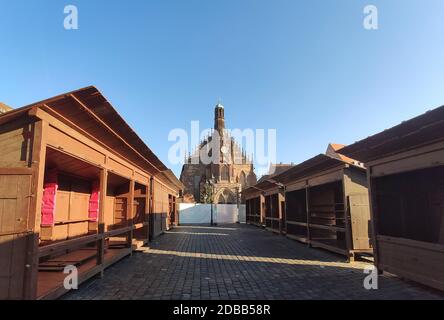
<point x="219" y="117"/>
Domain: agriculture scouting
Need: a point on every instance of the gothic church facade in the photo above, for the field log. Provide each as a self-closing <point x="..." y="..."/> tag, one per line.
<point x="229" y="172"/>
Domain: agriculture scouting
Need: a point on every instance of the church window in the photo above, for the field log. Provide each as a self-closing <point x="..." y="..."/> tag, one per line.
<point x="243" y="179"/>
<point x="224" y="173"/>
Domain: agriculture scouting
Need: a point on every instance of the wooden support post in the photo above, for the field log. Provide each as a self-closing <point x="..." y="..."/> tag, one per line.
<point x="285" y="209"/>
<point x="38" y="158"/>
<point x="279" y="211"/>
<point x="346" y="214"/>
<point x="269" y="212"/>
<point x="307" y="209"/>
<point x="373" y="218"/>
<point x="101" y="226"/>
<point x="176" y="217"/>
<point x="147" y="211"/>
<point x="131" y="212"/>
<point x="151" y="212"/>
<point x="263" y="209"/>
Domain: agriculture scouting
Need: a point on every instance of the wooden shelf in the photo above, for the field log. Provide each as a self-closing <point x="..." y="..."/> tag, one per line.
<point x="60" y="223"/>
<point x="328" y="217"/>
<point x="328" y="205"/>
<point x="327" y="212"/>
<point x="296" y="223"/>
<point x="62" y="246"/>
<point x="327" y="227"/>
<point x="76" y="258"/>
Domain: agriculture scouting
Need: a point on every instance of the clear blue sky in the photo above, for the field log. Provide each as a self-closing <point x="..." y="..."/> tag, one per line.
<point x="306" y="68"/>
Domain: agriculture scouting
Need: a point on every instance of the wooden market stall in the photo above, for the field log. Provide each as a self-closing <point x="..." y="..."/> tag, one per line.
<point x="76" y="184"/>
<point x="271" y="199"/>
<point x="165" y="210"/>
<point x="274" y="210"/>
<point x="406" y="176"/>
<point x="255" y="206"/>
<point x="297" y="218"/>
<point x="327" y="204"/>
<point x="265" y="203"/>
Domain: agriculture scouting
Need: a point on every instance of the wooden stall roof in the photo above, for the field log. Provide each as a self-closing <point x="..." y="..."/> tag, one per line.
<point x="170" y="178"/>
<point x="91" y="111"/>
<point x="4" y="108"/>
<point x="317" y="164"/>
<point x="423" y="130"/>
<point x="267" y="181"/>
<point x="250" y="191"/>
<point x="276" y="169"/>
<point x="259" y="187"/>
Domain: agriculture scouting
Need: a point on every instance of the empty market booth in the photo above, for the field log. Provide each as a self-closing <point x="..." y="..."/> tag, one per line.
<point x="406" y="175"/>
<point x="271" y="197"/>
<point x="255" y="206"/>
<point x="327" y="204"/>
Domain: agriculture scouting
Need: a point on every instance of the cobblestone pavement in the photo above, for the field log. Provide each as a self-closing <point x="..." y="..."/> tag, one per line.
<point x="239" y="262"/>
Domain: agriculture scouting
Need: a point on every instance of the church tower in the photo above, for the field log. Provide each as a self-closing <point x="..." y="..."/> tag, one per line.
<point x="219" y="118"/>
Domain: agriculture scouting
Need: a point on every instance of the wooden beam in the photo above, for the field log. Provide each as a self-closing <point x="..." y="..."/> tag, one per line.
<point x="326" y="227"/>
<point x="66" y="245"/>
<point x="118" y="231"/>
<point x="296" y="223"/>
<point x="17" y="171"/>
<point x="95" y="117"/>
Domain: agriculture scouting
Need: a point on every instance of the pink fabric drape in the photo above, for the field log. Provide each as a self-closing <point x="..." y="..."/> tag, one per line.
<point x="94" y="202"/>
<point x="49" y="198"/>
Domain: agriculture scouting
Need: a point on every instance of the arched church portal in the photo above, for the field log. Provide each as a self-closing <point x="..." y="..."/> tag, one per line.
<point x="226" y="196"/>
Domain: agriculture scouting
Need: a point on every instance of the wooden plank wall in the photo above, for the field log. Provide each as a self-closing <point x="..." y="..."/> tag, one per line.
<point x="16" y="180"/>
<point x="358" y="208"/>
<point x="160" y="208"/>
<point x="14" y="235"/>
<point x="418" y="261"/>
<point x="16" y="144"/>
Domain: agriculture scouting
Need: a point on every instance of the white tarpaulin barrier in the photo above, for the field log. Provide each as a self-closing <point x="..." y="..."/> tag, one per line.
<point x="191" y="213"/>
<point x="243" y="213"/>
<point x="226" y="213"/>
